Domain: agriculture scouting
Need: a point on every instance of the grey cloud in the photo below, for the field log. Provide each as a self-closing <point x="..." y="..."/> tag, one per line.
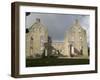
<point x="57" y="24"/>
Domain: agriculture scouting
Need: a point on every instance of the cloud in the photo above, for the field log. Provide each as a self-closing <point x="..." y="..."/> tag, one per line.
<point x="57" y="24"/>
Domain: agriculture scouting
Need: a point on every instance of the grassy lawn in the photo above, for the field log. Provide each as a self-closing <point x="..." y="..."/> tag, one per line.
<point x="54" y="62"/>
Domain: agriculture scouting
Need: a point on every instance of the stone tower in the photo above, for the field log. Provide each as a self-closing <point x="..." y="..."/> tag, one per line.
<point x="35" y="39"/>
<point x="76" y="41"/>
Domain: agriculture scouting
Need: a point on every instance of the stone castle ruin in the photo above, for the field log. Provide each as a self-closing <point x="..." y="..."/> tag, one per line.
<point x="39" y="44"/>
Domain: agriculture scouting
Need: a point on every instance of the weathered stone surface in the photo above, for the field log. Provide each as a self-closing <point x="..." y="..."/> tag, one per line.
<point x="74" y="44"/>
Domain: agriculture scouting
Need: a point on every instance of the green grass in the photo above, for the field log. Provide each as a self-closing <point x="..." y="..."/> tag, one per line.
<point x="54" y="62"/>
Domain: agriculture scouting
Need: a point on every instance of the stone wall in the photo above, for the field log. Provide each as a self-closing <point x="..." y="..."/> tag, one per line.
<point x="76" y="38"/>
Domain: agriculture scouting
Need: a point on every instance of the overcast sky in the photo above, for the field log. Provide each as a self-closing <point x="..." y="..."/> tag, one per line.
<point x="58" y="24"/>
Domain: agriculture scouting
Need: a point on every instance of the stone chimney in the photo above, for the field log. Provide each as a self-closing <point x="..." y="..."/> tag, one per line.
<point x="77" y="22"/>
<point x="38" y="20"/>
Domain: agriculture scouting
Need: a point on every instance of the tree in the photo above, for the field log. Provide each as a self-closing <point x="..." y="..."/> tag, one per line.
<point x="27" y="30"/>
<point x="28" y="13"/>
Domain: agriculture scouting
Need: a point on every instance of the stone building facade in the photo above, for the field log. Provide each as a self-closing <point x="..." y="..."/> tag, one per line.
<point x="59" y="46"/>
<point x="74" y="44"/>
<point x="35" y="38"/>
<point x="76" y="41"/>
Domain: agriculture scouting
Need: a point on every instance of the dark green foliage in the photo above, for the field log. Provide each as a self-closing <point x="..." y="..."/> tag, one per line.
<point x="53" y="61"/>
<point x="27" y="30"/>
<point x="27" y="13"/>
